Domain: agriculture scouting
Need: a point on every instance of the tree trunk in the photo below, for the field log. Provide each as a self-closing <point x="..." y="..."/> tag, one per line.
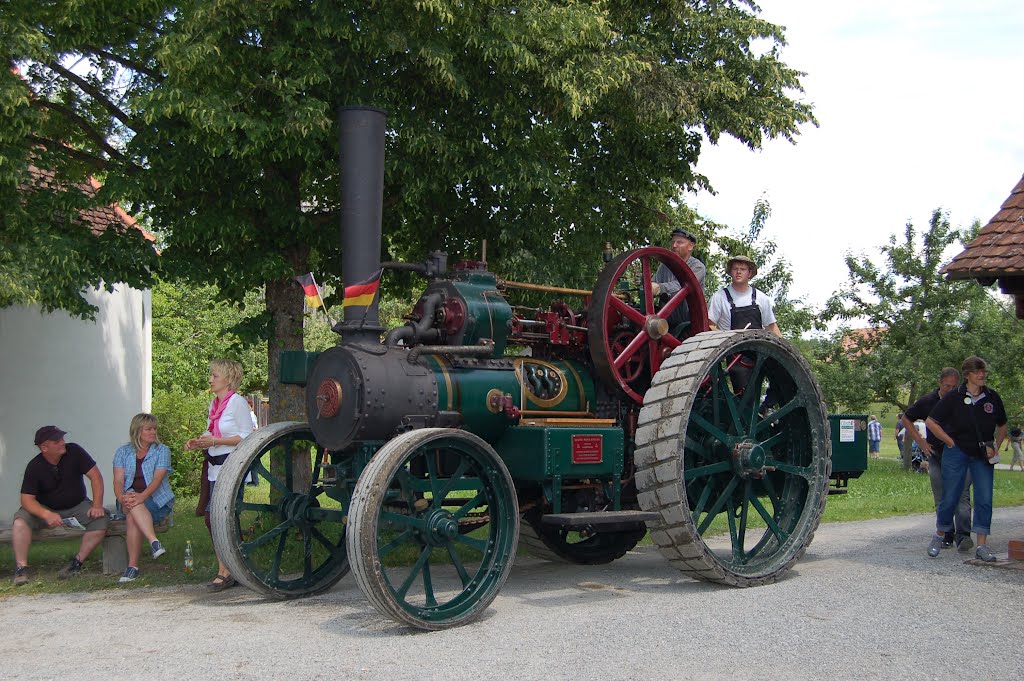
<point x="287" y="402"/>
<point x="284" y="303"/>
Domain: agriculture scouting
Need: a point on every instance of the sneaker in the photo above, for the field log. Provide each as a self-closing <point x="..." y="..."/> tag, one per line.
<point x="964" y="544"/>
<point x="129" y="575"/>
<point x="948" y="539"/>
<point x="984" y="553"/>
<point x="21" y="575"/>
<point x="72" y="568"/>
<point x="157" y="548"/>
<point x="934" y="546"/>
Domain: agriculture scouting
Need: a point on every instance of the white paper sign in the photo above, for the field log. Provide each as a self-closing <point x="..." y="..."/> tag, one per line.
<point x="846" y="430"/>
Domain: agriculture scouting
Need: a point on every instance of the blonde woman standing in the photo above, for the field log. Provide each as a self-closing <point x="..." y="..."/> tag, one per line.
<point x="229" y="423"/>
<point x="142" y="489"/>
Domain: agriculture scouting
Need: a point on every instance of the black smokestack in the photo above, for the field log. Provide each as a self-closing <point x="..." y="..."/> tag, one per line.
<point x="361" y="138"/>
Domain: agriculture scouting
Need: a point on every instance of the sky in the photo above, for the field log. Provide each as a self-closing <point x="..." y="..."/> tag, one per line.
<point x="920" y="105"/>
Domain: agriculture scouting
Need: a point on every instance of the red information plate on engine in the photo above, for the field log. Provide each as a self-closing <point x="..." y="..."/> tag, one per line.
<point x="586" y="448"/>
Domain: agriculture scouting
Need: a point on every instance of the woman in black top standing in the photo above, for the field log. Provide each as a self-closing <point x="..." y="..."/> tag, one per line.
<point x="971" y="422"/>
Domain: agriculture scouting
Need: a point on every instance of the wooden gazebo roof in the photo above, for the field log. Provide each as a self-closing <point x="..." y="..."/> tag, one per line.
<point x="997" y="253"/>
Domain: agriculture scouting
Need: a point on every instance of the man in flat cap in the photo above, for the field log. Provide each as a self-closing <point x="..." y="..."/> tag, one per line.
<point x="53" y="494"/>
<point x="682" y="244"/>
<point x="741" y="306"/>
<point x="665" y="283"/>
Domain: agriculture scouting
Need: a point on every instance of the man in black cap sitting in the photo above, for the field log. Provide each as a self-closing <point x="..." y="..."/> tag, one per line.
<point x="665" y="283"/>
<point x="53" y="494"/>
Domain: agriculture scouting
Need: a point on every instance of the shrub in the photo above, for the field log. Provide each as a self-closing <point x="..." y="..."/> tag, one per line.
<point x="182" y="415"/>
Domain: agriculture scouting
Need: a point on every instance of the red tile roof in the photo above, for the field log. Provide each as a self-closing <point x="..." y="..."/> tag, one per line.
<point x="99" y="219"/>
<point x="854" y="338"/>
<point x="998" y="250"/>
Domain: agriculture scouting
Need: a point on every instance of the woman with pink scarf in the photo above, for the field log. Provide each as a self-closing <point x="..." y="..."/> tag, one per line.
<point x="228" y="424"/>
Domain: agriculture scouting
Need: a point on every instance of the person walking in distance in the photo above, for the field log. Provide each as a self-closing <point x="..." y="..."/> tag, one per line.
<point x="1016" y="437"/>
<point x="874" y="437"/>
<point x="931" y="447"/>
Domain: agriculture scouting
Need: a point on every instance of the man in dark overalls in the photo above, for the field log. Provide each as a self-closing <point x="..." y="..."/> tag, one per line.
<point x="740" y="306"/>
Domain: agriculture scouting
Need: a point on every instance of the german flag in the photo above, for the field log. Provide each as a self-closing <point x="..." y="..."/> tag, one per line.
<point x="362" y="294"/>
<point x="309" y="287"/>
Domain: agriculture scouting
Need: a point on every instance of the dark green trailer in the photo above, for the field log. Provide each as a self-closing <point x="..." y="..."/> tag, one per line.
<point x="849" y="449"/>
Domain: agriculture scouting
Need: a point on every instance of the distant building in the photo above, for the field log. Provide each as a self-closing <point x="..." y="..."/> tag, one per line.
<point x="855" y="340"/>
<point x="89" y="378"/>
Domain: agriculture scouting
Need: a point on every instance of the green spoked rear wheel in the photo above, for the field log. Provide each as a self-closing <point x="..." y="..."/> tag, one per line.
<point x="278" y="513"/>
<point x="415" y="566"/>
<point x="733" y="451"/>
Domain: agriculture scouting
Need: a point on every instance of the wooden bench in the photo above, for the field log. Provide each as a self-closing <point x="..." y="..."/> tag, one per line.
<point x="115" y="549"/>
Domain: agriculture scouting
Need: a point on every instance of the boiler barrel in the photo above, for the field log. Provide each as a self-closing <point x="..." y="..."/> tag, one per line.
<point x="364" y="393"/>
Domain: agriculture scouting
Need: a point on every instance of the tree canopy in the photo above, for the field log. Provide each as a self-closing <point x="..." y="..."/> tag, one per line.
<point x="919" y="322"/>
<point x="545" y="127"/>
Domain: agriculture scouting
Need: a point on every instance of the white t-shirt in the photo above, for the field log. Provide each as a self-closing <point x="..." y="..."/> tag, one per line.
<point x="720" y="312"/>
<point x="235" y="420"/>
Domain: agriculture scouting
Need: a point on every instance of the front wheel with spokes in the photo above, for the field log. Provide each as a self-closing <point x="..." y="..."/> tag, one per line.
<point x="733" y="452"/>
<point x="409" y="554"/>
<point x="278" y="513"/>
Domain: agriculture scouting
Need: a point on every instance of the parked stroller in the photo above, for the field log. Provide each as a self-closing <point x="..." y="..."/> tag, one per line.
<point x="918" y="462"/>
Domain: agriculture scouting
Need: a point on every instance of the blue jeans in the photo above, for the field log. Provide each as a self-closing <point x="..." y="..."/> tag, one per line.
<point x="157" y="512"/>
<point x="962" y="516"/>
<point x="955" y="466"/>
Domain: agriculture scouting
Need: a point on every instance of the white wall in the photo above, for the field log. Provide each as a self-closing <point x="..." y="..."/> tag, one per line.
<point x="88" y="378"/>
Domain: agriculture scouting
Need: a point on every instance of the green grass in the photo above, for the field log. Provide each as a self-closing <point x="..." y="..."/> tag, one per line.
<point x="885" y="490"/>
<point x="47" y="558"/>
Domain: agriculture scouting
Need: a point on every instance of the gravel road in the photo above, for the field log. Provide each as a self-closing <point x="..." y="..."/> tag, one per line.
<point x="864" y="603"/>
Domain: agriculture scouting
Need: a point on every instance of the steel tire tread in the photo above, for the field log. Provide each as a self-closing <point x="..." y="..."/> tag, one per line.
<point x="222" y="519"/>
<point x="659" y="464"/>
<point x="367" y="498"/>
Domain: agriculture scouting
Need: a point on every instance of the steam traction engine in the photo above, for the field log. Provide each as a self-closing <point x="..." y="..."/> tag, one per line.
<point x="426" y="460"/>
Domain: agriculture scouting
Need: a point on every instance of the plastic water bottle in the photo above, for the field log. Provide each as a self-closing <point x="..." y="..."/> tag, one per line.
<point x="188" y="556"/>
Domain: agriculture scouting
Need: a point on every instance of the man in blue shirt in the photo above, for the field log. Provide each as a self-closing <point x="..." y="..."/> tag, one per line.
<point x="874" y="437"/>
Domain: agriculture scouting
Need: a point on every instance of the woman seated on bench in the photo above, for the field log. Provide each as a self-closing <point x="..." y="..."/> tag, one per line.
<point x="142" y="489"/>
